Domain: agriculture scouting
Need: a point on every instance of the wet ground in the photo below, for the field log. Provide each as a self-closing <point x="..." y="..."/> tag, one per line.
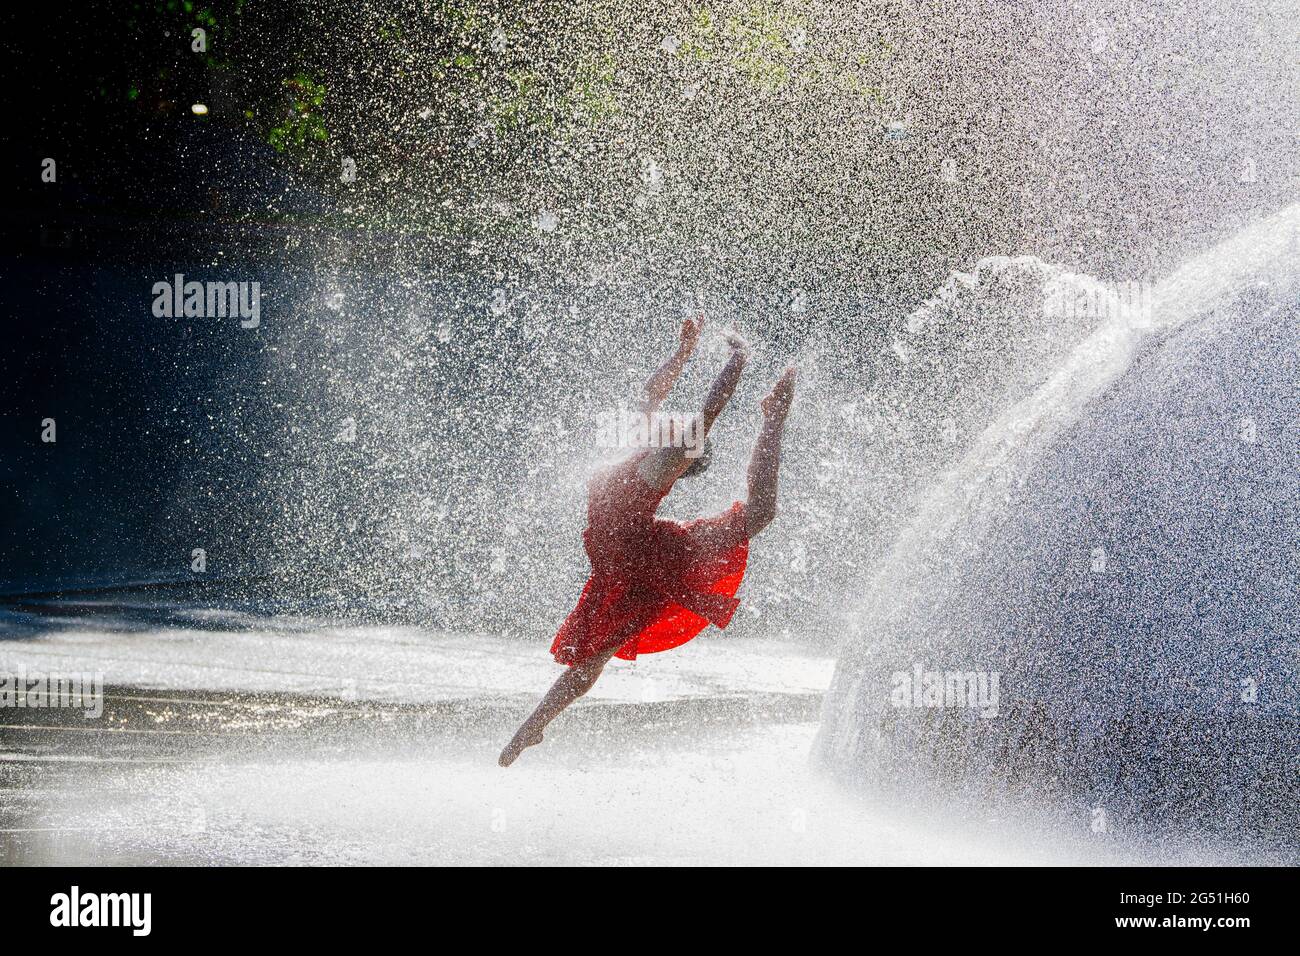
<point x="203" y="777"/>
<point x="232" y="740"/>
<point x="228" y="740"/>
<point x="252" y="780"/>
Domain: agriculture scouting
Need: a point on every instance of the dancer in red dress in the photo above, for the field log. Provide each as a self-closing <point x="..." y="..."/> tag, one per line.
<point x="654" y="583"/>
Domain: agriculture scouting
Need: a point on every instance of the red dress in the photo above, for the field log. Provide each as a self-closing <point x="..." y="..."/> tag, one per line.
<point x="654" y="583"/>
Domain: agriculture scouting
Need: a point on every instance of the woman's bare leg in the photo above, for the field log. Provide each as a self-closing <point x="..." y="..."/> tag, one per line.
<point x="570" y="685"/>
<point x="765" y="463"/>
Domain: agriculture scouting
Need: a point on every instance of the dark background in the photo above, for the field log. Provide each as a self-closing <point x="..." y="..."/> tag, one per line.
<point x="1115" y="156"/>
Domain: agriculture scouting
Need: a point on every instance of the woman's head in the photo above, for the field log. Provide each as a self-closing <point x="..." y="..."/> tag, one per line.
<point x="699" y="464"/>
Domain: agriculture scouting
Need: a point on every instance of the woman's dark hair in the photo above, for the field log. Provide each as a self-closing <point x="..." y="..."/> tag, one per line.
<point x="700" y="464"/>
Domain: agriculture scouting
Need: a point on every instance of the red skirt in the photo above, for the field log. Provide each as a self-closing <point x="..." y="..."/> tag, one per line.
<point x="687" y="581"/>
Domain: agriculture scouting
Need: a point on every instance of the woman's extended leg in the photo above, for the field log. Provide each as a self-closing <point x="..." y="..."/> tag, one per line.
<point x="570" y="685"/>
<point x="765" y="463"/>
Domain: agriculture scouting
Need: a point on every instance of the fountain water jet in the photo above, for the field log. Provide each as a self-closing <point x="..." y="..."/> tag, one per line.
<point x="1118" y="544"/>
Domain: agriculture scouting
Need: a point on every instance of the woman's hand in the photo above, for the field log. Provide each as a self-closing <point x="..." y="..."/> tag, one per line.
<point x="691" y="330"/>
<point x="661" y="382"/>
<point x="738" y="345"/>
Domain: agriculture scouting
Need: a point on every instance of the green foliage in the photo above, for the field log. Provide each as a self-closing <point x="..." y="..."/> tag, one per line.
<point x="758" y="43"/>
<point x="440" y="100"/>
<point x="531" y="100"/>
<point x="304" y="122"/>
<point x="764" y="47"/>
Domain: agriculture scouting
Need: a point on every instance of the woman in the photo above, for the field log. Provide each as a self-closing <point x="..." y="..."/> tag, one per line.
<point x="654" y="583"/>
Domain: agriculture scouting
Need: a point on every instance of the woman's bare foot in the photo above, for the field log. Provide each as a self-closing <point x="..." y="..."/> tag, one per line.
<point x="521" y="742"/>
<point x="777" y="403"/>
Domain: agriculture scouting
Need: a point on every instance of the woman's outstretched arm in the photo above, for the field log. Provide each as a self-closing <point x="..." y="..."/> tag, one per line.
<point x="724" y="384"/>
<point x="659" y="384"/>
<point x="665" y="465"/>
